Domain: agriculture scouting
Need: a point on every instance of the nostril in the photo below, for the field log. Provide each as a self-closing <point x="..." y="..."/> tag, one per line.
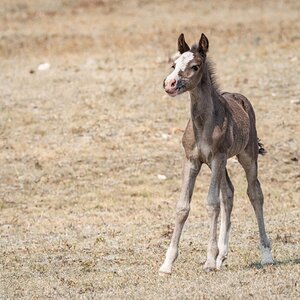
<point x="173" y="83"/>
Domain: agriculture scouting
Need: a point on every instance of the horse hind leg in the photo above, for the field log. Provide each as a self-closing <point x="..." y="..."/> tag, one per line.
<point x="227" y="192"/>
<point x="256" y="197"/>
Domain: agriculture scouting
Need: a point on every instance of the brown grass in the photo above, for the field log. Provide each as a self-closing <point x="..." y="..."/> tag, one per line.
<point x="83" y="213"/>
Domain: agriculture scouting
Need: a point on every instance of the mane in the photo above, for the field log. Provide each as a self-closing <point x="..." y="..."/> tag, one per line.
<point x="210" y="67"/>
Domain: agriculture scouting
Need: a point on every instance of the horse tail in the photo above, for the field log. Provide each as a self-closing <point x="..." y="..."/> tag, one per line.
<point x="261" y="149"/>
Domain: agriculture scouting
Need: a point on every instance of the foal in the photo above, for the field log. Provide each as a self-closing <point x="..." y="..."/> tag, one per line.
<point x="221" y="126"/>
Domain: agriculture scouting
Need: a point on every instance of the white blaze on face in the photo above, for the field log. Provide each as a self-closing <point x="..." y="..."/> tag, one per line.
<point x="181" y="64"/>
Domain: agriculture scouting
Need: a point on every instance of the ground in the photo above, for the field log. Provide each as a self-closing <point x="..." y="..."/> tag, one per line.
<point x="83" y="212"/>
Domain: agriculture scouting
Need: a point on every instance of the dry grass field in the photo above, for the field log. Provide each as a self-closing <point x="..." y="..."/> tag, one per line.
<point x="83" y="213"/>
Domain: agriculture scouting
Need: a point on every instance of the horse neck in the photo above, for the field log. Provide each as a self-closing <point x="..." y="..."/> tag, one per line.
<point x="204" y="101"/>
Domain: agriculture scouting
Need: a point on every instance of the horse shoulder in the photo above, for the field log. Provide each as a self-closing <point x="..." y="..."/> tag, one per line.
<point x="189" y="141"/>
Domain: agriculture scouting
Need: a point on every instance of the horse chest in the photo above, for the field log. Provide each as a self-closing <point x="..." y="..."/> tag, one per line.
<point x="202" y="150"/>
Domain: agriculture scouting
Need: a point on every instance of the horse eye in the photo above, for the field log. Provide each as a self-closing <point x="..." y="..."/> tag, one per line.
<point x="195" y="68"/>
<point x="173" y="67"/>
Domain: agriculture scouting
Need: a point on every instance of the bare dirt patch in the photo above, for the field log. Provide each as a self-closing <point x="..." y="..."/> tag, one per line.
<point x="83" y="212"/>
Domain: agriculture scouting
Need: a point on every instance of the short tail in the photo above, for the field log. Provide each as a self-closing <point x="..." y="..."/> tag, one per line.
<point x="261" y="149"/>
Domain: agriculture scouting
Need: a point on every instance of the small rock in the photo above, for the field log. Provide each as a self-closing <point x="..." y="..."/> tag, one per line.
<point x="91" y="62"/>
<point x="165" y="136"/>
<point x="295" y="101"/>
<point x="161" y="177"/>
<point x="294" y="59"/>
<point x="43" y="67"/>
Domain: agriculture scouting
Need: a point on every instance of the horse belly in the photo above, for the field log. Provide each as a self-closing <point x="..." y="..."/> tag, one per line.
<point x="239" y="133"/>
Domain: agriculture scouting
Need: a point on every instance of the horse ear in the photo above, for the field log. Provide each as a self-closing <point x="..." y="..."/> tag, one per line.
<point x="182" y="45"/>
<point x="203" y="44"/>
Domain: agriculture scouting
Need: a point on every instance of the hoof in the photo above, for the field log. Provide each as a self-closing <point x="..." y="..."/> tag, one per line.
<point x="165" y="270"/>
<point x="219" y="262"/>
<point x="209" y="270"/>
<point x="209" y="266"/>
<point x="266" y="258"/>
<point x="267" y="261"/>
<point x="163" y="274"/>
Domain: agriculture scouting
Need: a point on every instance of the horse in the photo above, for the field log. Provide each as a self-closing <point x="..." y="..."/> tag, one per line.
<point x="221" y="125"/>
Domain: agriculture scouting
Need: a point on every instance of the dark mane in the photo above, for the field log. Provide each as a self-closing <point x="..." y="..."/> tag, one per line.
<point x="210" y="67"/>
<point x="211" y="73"/>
